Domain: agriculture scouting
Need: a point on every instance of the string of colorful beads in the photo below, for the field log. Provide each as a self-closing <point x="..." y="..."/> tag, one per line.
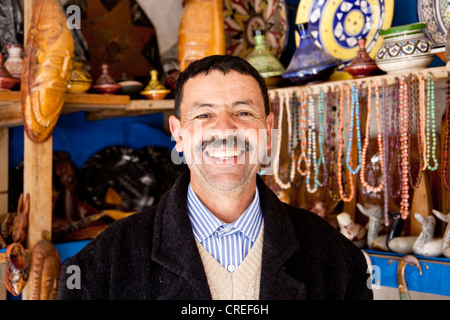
<point x="385" y="112"/>
<point x="431" y="125"/>
<point x="364" y="183"/>
<point x="447" y="137"/>
<point x="312" y="149"/>
<point x="404" y="150"/>
<point x="354" y="116"/>
<point x="321" y="160"/>
<point x="302" y="159"/>
<point x="284" y="96"/>
<point x="340" y="152"/>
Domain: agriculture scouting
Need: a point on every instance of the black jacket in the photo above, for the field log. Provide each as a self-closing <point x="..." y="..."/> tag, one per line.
<point x="153" y="255"/>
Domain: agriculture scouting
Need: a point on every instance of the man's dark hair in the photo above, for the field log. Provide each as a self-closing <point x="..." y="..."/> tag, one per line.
<point x="224" y="63"/>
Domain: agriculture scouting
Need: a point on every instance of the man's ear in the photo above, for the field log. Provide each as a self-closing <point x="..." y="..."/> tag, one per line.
<point x="270" y="119"/>
<point x="175" y="130"/>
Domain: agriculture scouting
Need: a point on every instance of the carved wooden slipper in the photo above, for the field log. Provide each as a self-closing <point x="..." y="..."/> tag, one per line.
<point x="17" y="271"/>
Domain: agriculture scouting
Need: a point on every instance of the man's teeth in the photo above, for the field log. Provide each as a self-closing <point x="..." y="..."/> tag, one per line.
<point x="224" y="154"/>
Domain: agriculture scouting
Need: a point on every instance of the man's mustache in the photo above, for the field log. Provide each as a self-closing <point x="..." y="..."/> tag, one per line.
<point x="227" y="142"/>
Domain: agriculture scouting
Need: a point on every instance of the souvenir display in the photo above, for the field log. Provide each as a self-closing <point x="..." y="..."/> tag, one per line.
<point x="120" y="34"/>
<point x="201" y="32"/>
<point x="44" y="272"/>
<point x="446" y="237"/>
<point x="426" y="244"/>
<point x="129" y="86"/>
<point x="426" y="13"/>
<point x="14" y="61"/>
<point x="352" y="230"/>
<point x="7" y="81"/>
<point x="336" y="25"/>
<point x="140" y="177"/>
<point x="242" y="17"/>
<point x="362" y="65"/>
<point x="49" y="47"/>
<point x="20" y="222"/>
<point x="80" y="78"/>
<point x="374" y="213"/>
<point x="262" y="60"/>
<point x="402" y="287"/>
<point x="154" y="89"/>
<point x="442" y="13"/>
<point x="405" y="49"/>
<point x="309" y="63"/>
<point x="105" y="83"/>
<point x="17" y="268"/>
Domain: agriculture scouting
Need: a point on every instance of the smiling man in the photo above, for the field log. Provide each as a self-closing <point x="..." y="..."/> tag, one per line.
<point x="220" y="232"/>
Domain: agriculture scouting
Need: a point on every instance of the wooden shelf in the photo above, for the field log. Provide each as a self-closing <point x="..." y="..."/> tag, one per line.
<point x="100" y="105"/>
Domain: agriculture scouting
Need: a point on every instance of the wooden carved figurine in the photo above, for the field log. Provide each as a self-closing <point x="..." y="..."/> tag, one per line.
<point x="395" y="241"/>
<point x="351" y="230"/>
<point x="425" y="244"/>
<point x="201" y="32"/>
<point x="20" y="224"/>
<point x="402" y="287"/>
<point x="45" y="270"/>
<point x="374" y="213"/>
<point x="46" y="69"/>
<point x="446" y="238"/>
<point x="17" y="271"/>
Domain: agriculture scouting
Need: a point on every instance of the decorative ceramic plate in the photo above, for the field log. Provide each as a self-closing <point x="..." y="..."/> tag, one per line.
<point x="242" y="17"/>
<point x="442" y="15"/>
<point x="425" y="10"/>
<point x="335" y="25"/>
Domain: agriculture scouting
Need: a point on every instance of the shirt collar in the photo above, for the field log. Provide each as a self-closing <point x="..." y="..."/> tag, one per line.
<point x="205" y="224"/>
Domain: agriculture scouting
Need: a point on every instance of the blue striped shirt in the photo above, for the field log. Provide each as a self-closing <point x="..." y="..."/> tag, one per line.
<point x="227" y="243"/>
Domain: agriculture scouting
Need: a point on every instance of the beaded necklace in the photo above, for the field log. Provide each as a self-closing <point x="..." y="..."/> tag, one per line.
<point x="312" y="148"/>
<point x="354" y="115"/>
<point x="321" y="161"/>
<point x="416" y="97"/>
<point x="332" y="103"/>
<point x="276" y="164"/>
<point x="364" y="183"/>
<point x="302" y="159"/>
<point x="295" y="137"/>
<point x="385" y="114"/>
<point x="340" y="152"/>
<point x="431" y="124"/>
<point x="404" y="150"/>
<point x="447" y="136"/>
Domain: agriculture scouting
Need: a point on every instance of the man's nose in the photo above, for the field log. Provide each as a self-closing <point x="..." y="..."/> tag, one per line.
<point x="225" y="122"/>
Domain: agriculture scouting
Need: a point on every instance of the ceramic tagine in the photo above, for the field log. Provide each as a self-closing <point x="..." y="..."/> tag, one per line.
<point x="405" y="48"/>
<point x="362" y="65"/>
<point x="129" y="86"/>
<point x="6" y="80"/>
<point x="155" y="90"/>
<point x="262" y="60"/>
<point x="309" y="63"/>
<point x="105" y="83"/>
<point x="80" y="79"/>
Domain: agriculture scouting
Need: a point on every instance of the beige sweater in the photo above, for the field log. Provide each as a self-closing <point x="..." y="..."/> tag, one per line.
<point x="243" y="283"/>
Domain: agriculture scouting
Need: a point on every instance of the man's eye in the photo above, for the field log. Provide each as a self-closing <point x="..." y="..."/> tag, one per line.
<point x="202" y="116"/>
<point x="244" y="113"/>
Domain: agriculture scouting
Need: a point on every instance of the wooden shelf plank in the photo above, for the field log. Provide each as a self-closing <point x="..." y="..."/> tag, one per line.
<point x="102" y="104"/>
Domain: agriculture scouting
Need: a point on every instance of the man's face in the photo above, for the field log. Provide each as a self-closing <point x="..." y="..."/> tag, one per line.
<point x="223" y="131"/>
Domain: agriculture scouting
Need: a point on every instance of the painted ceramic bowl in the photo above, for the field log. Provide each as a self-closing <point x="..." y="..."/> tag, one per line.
<point x="405" y="49"/>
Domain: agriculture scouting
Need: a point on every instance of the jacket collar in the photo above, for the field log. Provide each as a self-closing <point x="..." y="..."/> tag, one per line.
<point x="174" y="245"/>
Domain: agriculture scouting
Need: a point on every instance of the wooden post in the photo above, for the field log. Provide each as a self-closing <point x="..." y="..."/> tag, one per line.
<point x="37" y="179"/>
